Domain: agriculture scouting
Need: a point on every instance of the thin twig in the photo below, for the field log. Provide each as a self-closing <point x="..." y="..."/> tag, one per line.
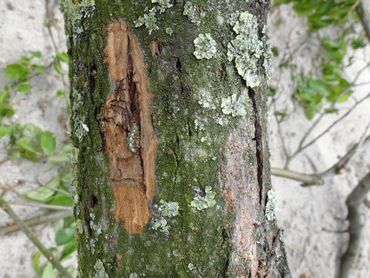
<point x="353" y="202"/>
<point x="37" y="220"/>
<point x="344" y="160"/>
<point x="363" y="12"/>
<point x="39" y="205"/>
<point x="331" y="126"/>
<point x="305" y="178"/>
<point x="48" y="255"/>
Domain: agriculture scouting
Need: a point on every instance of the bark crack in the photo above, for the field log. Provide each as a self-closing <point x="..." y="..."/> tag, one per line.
<point x="259" y="143"/>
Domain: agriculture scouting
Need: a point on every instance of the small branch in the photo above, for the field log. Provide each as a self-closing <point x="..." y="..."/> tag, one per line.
<point x="306" y="179"/>
<point x="353" y="202"/>
<point x="331" y="126"/>
<point x="49" y="256"/>
<point x="363" y="12"/>
<point x="344" y="160"/>
<point x="37" y="220"/>
<point x="39" y="205"/>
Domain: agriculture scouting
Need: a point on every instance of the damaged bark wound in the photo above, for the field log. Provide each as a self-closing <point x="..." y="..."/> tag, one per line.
<point x="130" y="141"/>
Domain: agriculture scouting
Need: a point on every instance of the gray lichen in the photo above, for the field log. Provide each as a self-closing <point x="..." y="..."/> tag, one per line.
<point x="169" y="209"/>
<point x="270" y="206"/>
<point x="205" y="46"/>
<point x="149" y="20"/>
<point x="206" y="100"/>
<point x="246" y="48"/>
<point x="75" y="12"/>
<point x="191" y="11"/>
<point x="169" y="31"/>
<point x="267" y="53"/>
<point x="203" y="202"/>
<point x="165" y="4"/>
<point x="99" y="270"/>
<point x="165" y="211"/>
<point x="235" y="105"/>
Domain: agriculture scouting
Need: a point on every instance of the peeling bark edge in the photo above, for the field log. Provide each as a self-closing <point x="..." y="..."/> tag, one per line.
<point x="130" y="141"/>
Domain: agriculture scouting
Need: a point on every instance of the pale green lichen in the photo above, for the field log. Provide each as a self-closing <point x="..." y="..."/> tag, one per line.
<point x="206" y="100"/>
<point x="267" y="54"/>
<point x="75" y="12"/>
<point x="99" y="270"/>
<point x="246" y="48"/>
<point x="133" y="275"/>
<point x="270" y="205"/>
<point x="169" y="209"/>
<point x="149" y="20"/>
<point x="169" y="31"/>
<point x="160" y="224"/>
<point x="204" y="200"/>
<point x="79" y="227"/>
<point x="191" y="267"/>
<point x="165" y="4"/>
<point x="97" y="228"/>
<point x="191" y="11"/>
<point x="205" y="46"/>
<point x="165" y="211"/>
<point x="235" y="105"/>
<point x="81" y="129"/>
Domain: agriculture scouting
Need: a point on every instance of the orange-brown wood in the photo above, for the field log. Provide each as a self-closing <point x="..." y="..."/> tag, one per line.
<point x="130" y="141"/>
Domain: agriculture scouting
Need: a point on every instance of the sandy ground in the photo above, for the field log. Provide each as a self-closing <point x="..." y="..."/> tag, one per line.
<point x="313" y="218"/>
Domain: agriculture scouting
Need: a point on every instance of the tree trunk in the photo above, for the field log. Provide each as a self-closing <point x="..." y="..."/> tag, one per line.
<point x="169" y="118"/>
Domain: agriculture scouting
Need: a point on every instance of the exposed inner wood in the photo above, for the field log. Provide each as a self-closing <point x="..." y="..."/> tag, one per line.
<point x="128" y="130"/>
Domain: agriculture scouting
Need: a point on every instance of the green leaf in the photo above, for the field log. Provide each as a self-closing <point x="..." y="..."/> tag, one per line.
<point x="58" y="67"/>
<point x="62" y="56"/>
<point x="61" y="200"/>
<point x="48" y="271"/>
<point x="69" y="249"/>
<point x="38" y="68"/>
<point x="41" y="194"/>
<point x="36" y="262"/>
<point x="60" y="93"/>
<point x="36" y="54"/>
<point x="27" y="145"/>
<point x="44" y="193"/>
<point x="65" y="235"/>
<point x="47" y="142"/>
<point x="4" y="130"/>
<point x="24" y="87"/>
<point x="16" y="72"/>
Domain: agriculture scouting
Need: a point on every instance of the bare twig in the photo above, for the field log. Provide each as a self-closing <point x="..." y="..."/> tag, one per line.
<point x="330" y="126"/>
<point x="40" y="205"/>
<point x="353" y="202"/>
<point x="49" y="256"/>
<point x="344" y="160"/>
<point x="363" y="11"/>
<point x="305" y="178"/>
<point x="37" y="220"/>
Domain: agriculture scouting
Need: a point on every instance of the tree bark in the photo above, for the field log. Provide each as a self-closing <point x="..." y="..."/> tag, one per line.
<point x="173" y="177"/>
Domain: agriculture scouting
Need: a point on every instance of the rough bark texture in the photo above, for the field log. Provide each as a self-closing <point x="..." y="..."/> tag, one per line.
<point x="208" y="213"/>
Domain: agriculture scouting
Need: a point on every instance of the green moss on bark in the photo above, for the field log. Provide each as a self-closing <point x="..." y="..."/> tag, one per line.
<point x="191" y="135"/>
